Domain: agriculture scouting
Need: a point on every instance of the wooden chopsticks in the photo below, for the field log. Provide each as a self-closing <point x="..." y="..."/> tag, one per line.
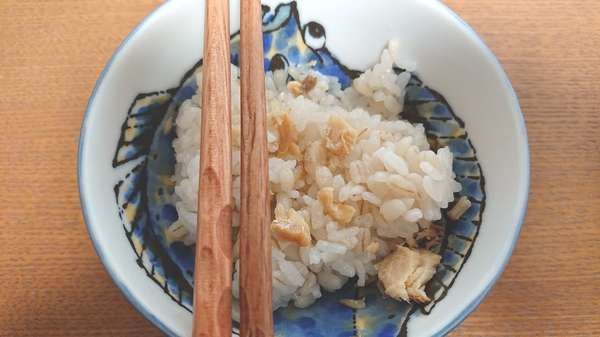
<point x="213" y="266"/>
<point x="255" y="219"/>
<point x="212" y="300"/>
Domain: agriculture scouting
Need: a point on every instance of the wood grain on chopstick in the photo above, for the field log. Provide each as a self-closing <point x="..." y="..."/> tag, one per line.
<point x="212" y="293"/>
<point x="255" y="232"/>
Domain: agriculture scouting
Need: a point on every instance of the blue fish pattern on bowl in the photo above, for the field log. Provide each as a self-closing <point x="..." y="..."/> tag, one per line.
<point x="145" y="195"/>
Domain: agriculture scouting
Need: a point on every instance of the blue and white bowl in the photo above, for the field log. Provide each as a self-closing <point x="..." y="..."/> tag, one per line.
<point x="458" y="91"/>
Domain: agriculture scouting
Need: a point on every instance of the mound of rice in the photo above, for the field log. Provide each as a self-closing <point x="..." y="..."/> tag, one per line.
<point x="350" y="181"/>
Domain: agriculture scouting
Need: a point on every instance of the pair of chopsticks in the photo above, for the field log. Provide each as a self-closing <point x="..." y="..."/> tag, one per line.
<point x="212" y="300"/>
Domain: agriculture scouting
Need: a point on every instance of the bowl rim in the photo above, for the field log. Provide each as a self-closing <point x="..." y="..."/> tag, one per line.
<point x="460" y="317"/>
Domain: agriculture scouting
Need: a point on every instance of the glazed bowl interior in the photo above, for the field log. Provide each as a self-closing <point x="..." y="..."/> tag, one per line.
<point x="449" y="57"/>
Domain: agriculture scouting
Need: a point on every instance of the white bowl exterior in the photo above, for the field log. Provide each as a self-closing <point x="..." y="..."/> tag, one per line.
<point x="450" y="58"/>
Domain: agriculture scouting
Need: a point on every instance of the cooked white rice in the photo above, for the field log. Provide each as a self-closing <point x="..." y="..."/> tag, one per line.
<point x="341" y="165"/>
